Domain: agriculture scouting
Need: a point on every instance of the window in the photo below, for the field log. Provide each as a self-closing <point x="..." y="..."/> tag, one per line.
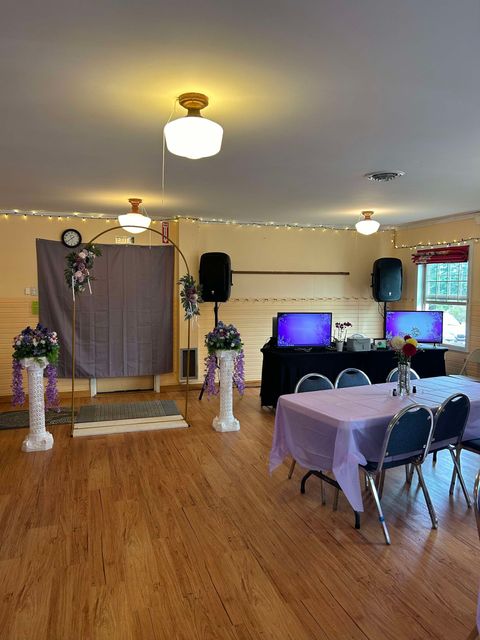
<point x="443" y="286"/>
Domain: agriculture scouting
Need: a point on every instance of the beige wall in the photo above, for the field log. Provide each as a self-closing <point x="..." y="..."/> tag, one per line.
<point x="436" y="233"/>
<point x="255" y="298"/>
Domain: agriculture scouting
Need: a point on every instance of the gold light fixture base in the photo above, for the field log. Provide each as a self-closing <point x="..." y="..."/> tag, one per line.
<point x="367" y="214"/>
<point x="135" y="203"/>
<point x="193" y="102"/>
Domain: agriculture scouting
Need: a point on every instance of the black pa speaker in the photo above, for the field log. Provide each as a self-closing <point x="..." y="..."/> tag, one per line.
<point x="387" y="279"/>
<point x="215" y="276"/>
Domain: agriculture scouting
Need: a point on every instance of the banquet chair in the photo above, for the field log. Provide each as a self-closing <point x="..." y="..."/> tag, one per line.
<point x="351" y="378"/>
<point x="310" y="382"/>
<point x="475" y="633"/>
<point x="449" y="426"/>
<point x="407" y="441"/>
<point x="469" y="445"/>
<point x="473" y="356"/>
<point x="393" y="375"/>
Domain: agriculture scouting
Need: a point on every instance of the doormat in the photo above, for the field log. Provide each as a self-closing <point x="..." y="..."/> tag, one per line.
<point x="127" y="411"/>
<point x="19" y="419"/>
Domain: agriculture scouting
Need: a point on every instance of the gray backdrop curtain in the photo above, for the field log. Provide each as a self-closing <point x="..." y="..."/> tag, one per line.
<point x="126" y="327"/>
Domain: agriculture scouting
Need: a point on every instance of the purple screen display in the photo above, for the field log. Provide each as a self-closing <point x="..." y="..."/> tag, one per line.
<point x="424" y="326"/>
<point x="304" y="329"/>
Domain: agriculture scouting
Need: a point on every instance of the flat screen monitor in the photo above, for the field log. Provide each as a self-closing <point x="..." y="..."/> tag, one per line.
<point x="424" y="326"/>
<point x="304" y="329"/>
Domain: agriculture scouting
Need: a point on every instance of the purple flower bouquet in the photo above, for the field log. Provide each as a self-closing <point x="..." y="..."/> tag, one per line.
<point x="224" y="337"/>
<point x="35" y="343"/>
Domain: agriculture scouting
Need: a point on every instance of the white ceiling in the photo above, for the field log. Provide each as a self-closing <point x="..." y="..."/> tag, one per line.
<point x="312" y="94"/>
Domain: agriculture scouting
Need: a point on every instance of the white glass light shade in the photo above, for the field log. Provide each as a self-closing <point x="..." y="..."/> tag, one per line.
<point x="367" y="227"/>
<point x="193" y="137"/>
<point x="134" y="218"/>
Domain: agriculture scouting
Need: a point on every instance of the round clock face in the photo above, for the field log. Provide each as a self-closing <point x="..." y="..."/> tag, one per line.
<point x="71" y="238"/>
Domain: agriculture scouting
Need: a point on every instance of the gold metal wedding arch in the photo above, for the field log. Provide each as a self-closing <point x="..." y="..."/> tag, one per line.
<point x="177" y="248"/>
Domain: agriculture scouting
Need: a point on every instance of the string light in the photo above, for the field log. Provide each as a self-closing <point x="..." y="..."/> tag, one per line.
<point x="439" y="243"/>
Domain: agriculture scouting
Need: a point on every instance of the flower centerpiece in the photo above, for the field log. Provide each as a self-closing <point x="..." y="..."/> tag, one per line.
<point x="190" y="296"/>
<point x="405" y="348"/>
<point x="38" y="345"/>
<point x="224" y="338"/>
<point x="341" y="329"/>
<point x="79" y="266"/>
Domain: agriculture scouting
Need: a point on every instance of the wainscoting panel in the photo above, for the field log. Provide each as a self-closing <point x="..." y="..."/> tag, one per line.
<point x="253" y="318"/>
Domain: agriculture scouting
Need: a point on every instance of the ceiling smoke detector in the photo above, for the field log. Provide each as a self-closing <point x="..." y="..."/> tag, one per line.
<point x="384" y="176"/>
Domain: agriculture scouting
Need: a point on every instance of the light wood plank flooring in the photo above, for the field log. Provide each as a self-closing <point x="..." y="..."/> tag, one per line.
<point x="184" y="535"/>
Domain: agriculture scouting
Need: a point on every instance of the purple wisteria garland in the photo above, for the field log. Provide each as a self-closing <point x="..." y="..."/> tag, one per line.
<point x="18" y="394"/>
<point x="51" y="392"/>
<point x="224" y="337"/>
<point x="35" y="343"/>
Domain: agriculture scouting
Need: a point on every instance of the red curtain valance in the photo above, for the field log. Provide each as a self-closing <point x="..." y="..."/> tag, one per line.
<point x="441" y="254"/>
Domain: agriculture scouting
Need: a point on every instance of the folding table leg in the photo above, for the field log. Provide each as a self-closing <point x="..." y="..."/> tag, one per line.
<point x="292" y="467"/>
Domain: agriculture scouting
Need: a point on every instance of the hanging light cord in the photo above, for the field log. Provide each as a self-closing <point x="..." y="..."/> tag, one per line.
<point x="163" y="151"/>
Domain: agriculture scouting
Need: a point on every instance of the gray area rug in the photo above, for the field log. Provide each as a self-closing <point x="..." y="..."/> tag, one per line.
<point x="19" y="419"/>
<point x="126" y="411"/>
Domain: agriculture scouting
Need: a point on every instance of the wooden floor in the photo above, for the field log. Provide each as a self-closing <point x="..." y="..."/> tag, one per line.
<point x="183" y="535"/>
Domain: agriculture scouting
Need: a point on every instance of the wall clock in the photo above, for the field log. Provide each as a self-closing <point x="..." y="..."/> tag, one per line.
<point x="71" y="238"/>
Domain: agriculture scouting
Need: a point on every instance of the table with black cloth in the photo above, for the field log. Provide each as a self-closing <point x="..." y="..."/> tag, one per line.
<point x="283" y="368"/>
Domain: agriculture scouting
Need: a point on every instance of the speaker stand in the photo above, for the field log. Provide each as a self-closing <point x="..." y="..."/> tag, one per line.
<point x="204" y="386"/>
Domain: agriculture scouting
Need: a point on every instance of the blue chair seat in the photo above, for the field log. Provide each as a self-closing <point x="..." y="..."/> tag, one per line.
<point x="372" y="466"/>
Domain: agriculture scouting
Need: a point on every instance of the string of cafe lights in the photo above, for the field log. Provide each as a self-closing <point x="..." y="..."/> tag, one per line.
<point x="51" y="216"/>
<point x="456" y="242"/>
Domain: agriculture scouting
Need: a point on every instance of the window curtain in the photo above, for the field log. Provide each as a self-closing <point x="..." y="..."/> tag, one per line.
<point x="441" y="254"/>
<point x="125" y="328"/>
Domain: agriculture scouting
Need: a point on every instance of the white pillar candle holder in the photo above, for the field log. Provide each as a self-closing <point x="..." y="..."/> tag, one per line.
<point x="38" y="438"/>
<point x="226" y="421"/>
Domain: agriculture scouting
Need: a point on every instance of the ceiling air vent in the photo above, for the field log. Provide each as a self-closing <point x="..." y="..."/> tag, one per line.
<point x="384" y="176"/>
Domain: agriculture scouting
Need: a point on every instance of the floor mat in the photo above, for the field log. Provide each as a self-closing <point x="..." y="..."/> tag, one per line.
<point x="19" y="419"/>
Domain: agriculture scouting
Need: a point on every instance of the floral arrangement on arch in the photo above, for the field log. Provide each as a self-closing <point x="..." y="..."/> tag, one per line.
<point x="79" y="266"/>
<point x="341" y="329"/>
<point x="405" y="348"/>
<point x="224" y="337"/>
<point x="35" y="343"/>
<point x="190" y="296"/>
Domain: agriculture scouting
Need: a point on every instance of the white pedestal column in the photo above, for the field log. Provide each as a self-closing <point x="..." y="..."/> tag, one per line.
<point x="226" y="420"/>
<point x="38" y="439"/>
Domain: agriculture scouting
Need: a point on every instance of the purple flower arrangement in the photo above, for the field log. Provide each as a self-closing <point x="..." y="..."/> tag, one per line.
<point x="190" y="296"/>
<point x="35" y="343"/>
<point x="224" y="337"/>
<point x="79" y="265"/>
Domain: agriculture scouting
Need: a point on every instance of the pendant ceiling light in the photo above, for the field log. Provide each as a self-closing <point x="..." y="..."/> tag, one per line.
<point x="367" y="226"/>
<point x="193" y="136"/>
<point x="140" y="222"/>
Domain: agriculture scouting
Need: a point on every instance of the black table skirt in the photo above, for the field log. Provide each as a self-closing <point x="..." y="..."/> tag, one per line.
<point x="281" y="370"/>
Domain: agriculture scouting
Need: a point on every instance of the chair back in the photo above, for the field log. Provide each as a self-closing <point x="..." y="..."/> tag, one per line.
<point x="473" y="356"/>
<point x="351" y="378"/>
<point x="476" y="501"/>
<point x="408" y="436"/>
<point x="393" y="375"/>
<point x="313" y="382"/>
<point x="451" y="419"/>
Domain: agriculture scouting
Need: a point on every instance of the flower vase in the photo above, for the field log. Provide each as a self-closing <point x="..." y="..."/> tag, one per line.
<point x="339" y="344"/>
<point x="38" y="438"/>
<point x="226" y="421"/>
<point x="403" y="383"/>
